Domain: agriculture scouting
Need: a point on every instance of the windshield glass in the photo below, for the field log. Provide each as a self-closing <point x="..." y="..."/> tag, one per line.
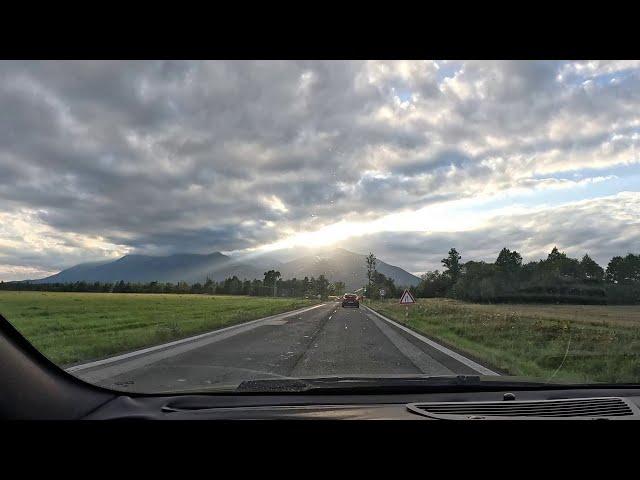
<point x="195" y="226"/>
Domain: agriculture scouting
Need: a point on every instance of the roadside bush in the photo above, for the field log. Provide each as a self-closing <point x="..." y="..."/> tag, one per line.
<point x="621" y="294"/>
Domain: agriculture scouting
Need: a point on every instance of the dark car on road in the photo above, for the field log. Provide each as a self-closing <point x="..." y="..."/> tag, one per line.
<point x="350" y="300"/>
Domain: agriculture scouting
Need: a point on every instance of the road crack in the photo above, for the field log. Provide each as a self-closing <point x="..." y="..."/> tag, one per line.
<point x="311" y="339"/>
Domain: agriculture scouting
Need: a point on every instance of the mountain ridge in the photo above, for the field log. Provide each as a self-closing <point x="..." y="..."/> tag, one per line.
<point x="336" y="264"/>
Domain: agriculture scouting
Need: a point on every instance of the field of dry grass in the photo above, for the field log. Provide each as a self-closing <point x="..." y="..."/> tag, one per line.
<point x="584" y="343"/>
<point x="591" y="314"/>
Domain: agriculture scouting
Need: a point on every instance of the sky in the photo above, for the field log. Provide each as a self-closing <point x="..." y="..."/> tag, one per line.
<point x="402" y="158"/>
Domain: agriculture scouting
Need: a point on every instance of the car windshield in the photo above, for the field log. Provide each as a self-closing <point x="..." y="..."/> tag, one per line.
<point x="172" y="226"/>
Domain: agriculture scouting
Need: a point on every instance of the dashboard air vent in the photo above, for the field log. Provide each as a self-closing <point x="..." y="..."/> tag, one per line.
<point x="578" y="408"/>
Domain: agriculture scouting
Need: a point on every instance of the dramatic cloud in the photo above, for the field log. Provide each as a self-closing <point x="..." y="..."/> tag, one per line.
<point x="99" y="159"/>
<point x="602" y="227"/>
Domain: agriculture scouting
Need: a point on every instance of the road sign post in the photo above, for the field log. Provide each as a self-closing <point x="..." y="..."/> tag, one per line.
<point x="382" y="293"/>
<point x="407" y="299"/>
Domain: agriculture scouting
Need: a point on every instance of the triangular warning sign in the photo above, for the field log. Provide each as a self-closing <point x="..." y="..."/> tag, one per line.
<point x="406" y="298"/>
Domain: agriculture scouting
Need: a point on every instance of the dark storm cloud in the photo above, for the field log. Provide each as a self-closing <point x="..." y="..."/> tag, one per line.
<point x="173" y="156"/>
<point x="444" y="159"/>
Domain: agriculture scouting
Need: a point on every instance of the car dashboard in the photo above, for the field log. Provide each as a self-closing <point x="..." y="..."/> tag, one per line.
<point x="528" y="405"/>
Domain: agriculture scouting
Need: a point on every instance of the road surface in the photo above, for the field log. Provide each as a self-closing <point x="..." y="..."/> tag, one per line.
<point x="321" y="340"/>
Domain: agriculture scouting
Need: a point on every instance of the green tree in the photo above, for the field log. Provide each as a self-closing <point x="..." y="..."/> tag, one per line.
<point x="432" y="284"/>
<point x="257" y="287"/>
<point x="382" y="281"/>
<point x="233" y="285"/>
<point x="590" y="269"/>
<point x="559" y="264"/>
<point x="339" y="288"/>
<point x="478" y="282"/>
<point x="371" y="267"/>
<point x="509" y="261"/>
<point x="306" y="286"/>
<point x="270" y="279"/>
<point x="452" y="264"/>
<point x="624" y="270"/>
<point x="322" y="286"/>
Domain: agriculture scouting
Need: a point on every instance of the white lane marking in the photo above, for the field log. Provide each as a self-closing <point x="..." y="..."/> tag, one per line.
<point x="277" y="322"/>
<point x="462" y="359"/>
<point x="239" y="328"/>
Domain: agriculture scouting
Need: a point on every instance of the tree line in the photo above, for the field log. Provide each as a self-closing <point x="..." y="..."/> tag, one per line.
<point x="271" y="285"/>
<point x="555" y="279"/>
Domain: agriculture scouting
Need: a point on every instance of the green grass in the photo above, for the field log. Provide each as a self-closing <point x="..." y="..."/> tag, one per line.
<point x="564" y="342"/>
<point x="76" y="327"/>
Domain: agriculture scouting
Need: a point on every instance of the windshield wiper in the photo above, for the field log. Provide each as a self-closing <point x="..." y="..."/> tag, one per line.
<point x="360" y="384"/>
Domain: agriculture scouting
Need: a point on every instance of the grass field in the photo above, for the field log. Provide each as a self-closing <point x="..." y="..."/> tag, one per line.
<point x="581" y="343"/>
<point x="75" y="327"/>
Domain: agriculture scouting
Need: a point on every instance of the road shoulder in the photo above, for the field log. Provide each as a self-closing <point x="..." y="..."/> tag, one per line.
<point x="451" y="359"/>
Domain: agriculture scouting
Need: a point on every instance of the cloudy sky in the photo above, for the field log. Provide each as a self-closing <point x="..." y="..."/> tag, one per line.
<point x="406" y="159"/>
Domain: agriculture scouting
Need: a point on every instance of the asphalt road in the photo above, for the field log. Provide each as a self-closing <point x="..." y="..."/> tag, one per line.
<point x="325" y="340"/>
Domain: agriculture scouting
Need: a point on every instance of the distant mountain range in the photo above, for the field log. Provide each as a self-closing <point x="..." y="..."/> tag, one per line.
<point x="336" y="264"/>
<point x="339" y="264"/>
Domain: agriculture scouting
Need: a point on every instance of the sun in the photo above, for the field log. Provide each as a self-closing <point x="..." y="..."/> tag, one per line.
<point x="323" y="237"/>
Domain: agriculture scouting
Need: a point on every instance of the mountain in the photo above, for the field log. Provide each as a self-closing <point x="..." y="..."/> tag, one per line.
<point x="258" y="260"/>
<point x="336" y="264"/>
<point x="339" y="264"/>
<point x="188" y="267"/>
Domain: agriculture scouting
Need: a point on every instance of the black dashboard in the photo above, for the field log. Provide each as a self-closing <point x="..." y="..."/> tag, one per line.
<point x="351" y="407"/>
